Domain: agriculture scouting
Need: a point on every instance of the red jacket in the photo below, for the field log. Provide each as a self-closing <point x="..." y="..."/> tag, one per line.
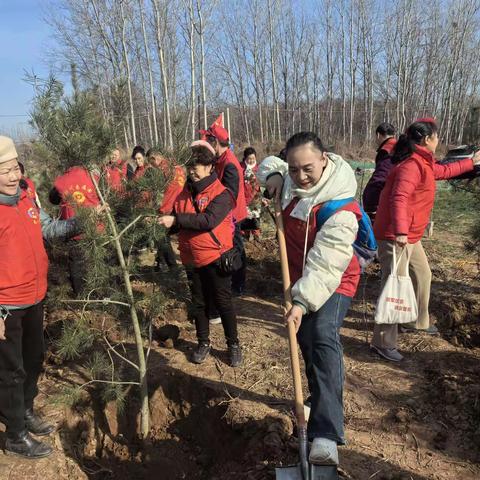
<point x="23" y="262"/>
<point x="76" y="190"/>
<point x="173" y="189"/>
<point x="228" y="157"/>
<point x="196" y="247"/>
<point x="252" y="187"/>
<point x="407" y="199"/>
<point x="295" y="239"/>
<point x="139" y="172"/>
<point x="116" y="175"/>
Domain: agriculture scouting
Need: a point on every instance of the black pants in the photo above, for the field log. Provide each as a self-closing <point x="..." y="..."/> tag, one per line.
<point x="76" y="267"/>
<point x="165" y="252"/>
<point x="212" y="289"/>
<point x="239" y="277"/>
<point x="21" y="362"/>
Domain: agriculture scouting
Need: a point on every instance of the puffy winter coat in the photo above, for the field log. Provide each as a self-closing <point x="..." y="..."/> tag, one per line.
<point x="230" y="173"/>
<point x="197" y="247"/>
<point x="383" y="165"/>
<point x="407" y="199"/>
<point x="330" y="265"/>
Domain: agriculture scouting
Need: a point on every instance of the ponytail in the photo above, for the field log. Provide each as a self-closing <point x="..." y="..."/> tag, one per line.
<point x="413" y="136"/>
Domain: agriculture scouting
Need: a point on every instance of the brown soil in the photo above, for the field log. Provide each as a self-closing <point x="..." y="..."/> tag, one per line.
<point x="417" y="420"/>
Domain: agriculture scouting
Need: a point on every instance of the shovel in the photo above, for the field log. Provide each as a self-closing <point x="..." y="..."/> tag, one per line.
<point x="303" y="470"/>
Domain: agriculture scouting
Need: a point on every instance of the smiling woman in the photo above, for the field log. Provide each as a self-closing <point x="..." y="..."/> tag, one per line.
<point x="23" y="286"/>
<point x="323" y="270"/>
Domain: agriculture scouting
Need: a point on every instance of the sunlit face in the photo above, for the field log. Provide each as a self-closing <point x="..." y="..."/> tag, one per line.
<point x="139" y="159"/>
<point x="10" y="175"/>
<point x="115" y="156"/>
<point x="251" y="160"/>
<point x="158" y="161"/>
<point x="305" y="165"/>
<point x="198" y="171"/>
<point x="431" y="142"/>
<point x="381" y="138"/>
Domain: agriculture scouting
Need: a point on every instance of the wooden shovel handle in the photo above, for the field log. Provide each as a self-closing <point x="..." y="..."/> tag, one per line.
<point x="292" y="337"/>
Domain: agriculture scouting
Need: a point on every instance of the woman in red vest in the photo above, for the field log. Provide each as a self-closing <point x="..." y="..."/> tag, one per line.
<point x="23" y="286"/>
<point x="203" y="217"/>
<point x="324" y="272"/>
<point x="406" y="203"/>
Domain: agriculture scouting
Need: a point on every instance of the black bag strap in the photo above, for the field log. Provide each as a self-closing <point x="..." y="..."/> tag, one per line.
<point x="214" y="237"/>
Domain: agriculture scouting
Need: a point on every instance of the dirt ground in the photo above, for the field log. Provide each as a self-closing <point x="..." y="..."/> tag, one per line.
<point x="416" y="420"/>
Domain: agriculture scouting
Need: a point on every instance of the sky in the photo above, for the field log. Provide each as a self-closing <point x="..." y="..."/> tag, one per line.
<point x="24" y="38"/>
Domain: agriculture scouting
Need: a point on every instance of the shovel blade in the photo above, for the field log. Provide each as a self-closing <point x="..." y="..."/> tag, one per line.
<point x="316" y="472"/>
<point x="323" y="472"/>
<point x="289" y="473"/>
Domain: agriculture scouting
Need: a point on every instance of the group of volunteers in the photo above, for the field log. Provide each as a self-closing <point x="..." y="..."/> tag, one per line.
<point x="212" y="208"/>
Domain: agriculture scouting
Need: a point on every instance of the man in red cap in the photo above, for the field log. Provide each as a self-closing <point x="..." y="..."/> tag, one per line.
<point x="230" y="173"/>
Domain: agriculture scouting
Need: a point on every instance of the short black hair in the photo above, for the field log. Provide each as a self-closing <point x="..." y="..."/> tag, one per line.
<point x="249" y="151"/>
<point x="385" y="128"/>
<point x="302" y="138"/>
<point x="138" y="149"/>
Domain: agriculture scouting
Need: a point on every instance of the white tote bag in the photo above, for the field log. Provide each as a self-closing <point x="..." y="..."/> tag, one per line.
<point x="397" y="302"/>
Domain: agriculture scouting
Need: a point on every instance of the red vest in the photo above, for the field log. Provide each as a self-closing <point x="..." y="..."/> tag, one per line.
<point x="240" y="210"/>
<point x="172" y="190"/>
<point x="23" y="262"/>
<point x="198" y="248"/>
<point x="31" y="191"/>
<point x="77" y="190"/>
<point x="116" y="175"/>
<point x="295" y="238"/>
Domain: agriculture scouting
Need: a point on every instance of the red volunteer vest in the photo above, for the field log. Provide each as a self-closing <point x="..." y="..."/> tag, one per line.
<point x="198" y="248"/>
<point x="295" y="238"/>
<point x="23" y="262"/>
<point x="240" y="210"/>
<point x="77" y="190"/>
<point x="116" y="175"/>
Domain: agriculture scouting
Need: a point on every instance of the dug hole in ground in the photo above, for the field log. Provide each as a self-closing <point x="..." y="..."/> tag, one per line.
<point x="416" y="420"/>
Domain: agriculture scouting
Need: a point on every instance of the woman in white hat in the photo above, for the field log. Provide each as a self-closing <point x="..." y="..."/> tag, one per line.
<point x="23" y="286"/>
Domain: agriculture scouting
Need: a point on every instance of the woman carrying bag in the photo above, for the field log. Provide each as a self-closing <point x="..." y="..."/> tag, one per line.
<point x="203" y="218"/>
<point x="403" y="213"/>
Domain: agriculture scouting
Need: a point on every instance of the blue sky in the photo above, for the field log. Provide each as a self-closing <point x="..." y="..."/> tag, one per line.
<point x="24" y="38"/>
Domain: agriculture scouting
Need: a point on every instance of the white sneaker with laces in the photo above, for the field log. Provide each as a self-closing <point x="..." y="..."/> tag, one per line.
<point x="215" y="321"/>
<point x="323" y="452"/>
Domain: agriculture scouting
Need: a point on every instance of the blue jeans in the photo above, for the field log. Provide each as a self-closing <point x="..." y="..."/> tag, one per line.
<point x="319" y="340"/>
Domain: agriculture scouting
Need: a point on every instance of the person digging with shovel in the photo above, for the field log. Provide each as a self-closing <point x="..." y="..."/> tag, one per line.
<point x="324" y="273"/>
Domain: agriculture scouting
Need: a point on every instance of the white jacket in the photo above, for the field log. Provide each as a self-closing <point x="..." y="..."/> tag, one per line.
<point x="332" y="249"/>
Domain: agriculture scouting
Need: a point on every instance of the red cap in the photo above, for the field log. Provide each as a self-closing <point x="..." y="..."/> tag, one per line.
<point x="426" y="120"/>
<point x="216" y="130"/>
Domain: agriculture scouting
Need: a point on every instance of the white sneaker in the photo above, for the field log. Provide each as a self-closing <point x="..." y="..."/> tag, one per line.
<point x="215" y="321"/>
<point x="323" y="452"/>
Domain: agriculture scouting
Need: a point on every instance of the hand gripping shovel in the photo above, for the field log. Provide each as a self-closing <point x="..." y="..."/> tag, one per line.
<point x="303" y="470"/>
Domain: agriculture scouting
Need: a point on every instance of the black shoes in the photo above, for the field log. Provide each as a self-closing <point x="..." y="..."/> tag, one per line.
<point x="36" y="424"/>
<point x="235" y="355"/>
<point x="24" y="445"/>
<point x="201" y="353"/>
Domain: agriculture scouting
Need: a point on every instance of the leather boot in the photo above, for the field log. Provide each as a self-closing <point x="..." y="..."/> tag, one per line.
<point x="36" y="424"/>
<point x="24" y="445"/>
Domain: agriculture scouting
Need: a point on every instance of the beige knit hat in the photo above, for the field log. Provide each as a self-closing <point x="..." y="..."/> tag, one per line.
<point x="7" y="149"/>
